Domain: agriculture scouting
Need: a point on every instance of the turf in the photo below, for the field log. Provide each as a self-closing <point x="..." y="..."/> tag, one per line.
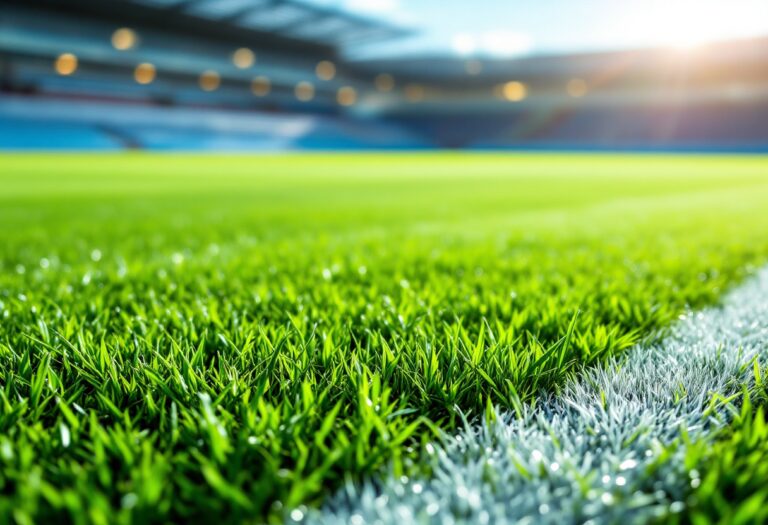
<point x="614" y="446"/>
<point x="197" y="337"/>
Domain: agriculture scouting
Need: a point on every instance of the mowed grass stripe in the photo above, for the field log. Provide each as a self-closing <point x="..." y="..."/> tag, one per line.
<point x="237" y="342"/>
<point x="611" y="448"/>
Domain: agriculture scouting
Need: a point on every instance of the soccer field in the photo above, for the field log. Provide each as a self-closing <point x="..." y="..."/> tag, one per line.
<point x="235" y="338"/>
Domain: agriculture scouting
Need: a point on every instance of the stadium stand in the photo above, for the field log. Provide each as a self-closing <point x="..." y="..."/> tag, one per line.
<point x="272" y="74"/>
<point x="134" y="126"/>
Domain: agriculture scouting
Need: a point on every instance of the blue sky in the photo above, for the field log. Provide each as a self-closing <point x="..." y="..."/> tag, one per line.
<point x="497" y="28"/>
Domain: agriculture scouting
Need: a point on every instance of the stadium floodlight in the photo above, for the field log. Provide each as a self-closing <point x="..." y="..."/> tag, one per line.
<point x="346" y="96"/>
<point x="515" y="91"/>
<point x="243" y="58"/>
<point x="325" y="70"/>
<point x="209" y="80"/>
<point x="124" y="39"/>
<point x="305" y="91"/>
<point x="576" y="87"/>
<point x="145" y="73"/>
<point x="260" y="86"/>
<point x="384" y="82"/>
<point x="414" y="92"/>
<point x="66" y="64"/>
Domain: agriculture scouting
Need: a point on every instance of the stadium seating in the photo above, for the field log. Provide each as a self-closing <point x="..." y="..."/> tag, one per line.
<point x="47" y="135"/>
<point x="51" y="123"/>
<point x="55" y="123"/>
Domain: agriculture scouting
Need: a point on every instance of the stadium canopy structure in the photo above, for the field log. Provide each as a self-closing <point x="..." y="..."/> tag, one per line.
<point x="285" y="40"/>
<point x="291" y="18"/>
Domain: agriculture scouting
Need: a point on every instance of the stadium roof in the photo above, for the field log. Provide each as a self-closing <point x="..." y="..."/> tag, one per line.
<point x="292" y="18"/>
<point x="288" y="26"/>
<point x="744" y="54"/>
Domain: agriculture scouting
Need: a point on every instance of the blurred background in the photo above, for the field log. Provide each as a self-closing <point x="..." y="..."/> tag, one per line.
<point x="275" y="75"/>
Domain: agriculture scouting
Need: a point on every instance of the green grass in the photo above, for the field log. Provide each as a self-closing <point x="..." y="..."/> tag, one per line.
<point x="728" y="477"/>
<point x="200" y="338"/>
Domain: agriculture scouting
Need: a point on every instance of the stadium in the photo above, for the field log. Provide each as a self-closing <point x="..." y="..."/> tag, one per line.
<point x="383" y="262"/>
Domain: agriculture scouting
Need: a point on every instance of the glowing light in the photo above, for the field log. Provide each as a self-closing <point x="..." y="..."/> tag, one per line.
<point x="473" y="67"/>
<point x="414" y="92"/>
<point x="260" y="86"/>
<point x="687" y="24"/>
<point x="515" y="91"/>
<point x="124" y="39"/>
<point x="243" y="58"/>
<point x="346" y="96"/>
<point x="506" y="43"/>
<point x="384" y="82"/>
<point x="576" y="87"/>
<point x="464" y="44"/>
<point x="144" y="73"/>
<point x="209" y="80"/>
<point x="305" y="91"/>
<point x="66" y="64"/>
<point x="325" y="70"/>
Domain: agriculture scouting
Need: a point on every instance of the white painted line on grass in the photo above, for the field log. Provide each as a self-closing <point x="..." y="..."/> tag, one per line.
<point x="591" y="453"/>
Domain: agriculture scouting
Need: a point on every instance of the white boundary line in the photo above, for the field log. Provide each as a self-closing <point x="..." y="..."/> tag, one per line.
<point x="589" y="455"/>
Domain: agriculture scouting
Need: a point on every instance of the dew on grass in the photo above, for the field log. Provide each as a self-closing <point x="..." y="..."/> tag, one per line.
<point x="676" y="507"/>
<point x="129" y="500"/>
<point x="695" y="483"/>
<point x="628" y="464"/>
